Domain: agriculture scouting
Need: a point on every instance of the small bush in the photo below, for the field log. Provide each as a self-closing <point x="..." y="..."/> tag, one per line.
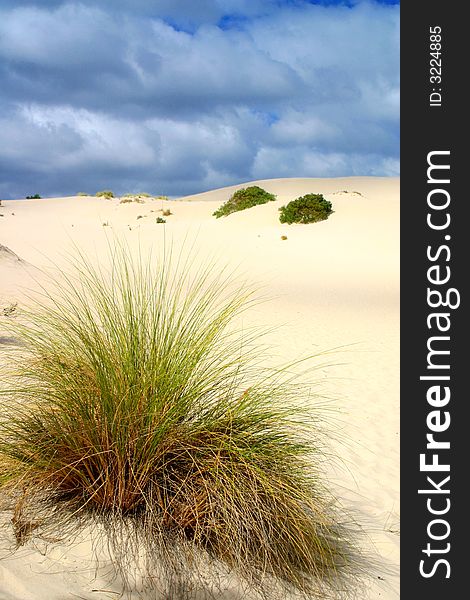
<point x="105" y="194"/>
<point x="167" y="212"/>
<point x="283" y="237"/>
<point x="160" y="220"/>
<point x="306" y="209"/>
<point x="35" y="197"/>
<point x="243" y="199"/>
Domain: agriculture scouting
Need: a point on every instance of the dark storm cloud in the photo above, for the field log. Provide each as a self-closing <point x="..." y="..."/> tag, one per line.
<point x="138" y="67"/>
<point x="179" y="96"/>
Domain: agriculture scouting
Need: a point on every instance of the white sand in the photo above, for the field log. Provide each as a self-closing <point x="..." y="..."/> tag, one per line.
<point x="334" y="283"/>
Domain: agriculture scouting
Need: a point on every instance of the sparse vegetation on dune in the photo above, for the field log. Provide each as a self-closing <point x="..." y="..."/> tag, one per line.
<point x="243" y="199"/>
<point x="105" y="194"/>
<point x="348" y="192"/>
<point x="34" y="197"/>
<point x="139" y="198"/>
<point x="128" y="200"/>
<point x="137" y="407"/>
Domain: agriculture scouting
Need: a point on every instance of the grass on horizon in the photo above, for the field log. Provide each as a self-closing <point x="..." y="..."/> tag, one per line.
<point x="136" y="406"/>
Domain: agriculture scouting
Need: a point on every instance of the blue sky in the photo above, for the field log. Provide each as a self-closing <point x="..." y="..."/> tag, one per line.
<point x="178" y="96"/>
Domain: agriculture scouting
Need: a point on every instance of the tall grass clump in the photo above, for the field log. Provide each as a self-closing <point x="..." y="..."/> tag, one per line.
<point x="138" y="408"/>
<point x="243" y="199"/>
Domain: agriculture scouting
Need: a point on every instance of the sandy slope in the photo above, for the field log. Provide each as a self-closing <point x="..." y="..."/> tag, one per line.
<point x="333" y="284"/>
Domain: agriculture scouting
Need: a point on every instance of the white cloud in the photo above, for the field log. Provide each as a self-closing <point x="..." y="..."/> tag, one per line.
<point x="94" y="91"/>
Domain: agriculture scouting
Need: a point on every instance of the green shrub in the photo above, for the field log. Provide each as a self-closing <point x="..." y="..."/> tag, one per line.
<point x="35" y="197"/>
<point x="105" y="194"/>
<point x="160" y="220"/>
<point x="306" y="209"/>
<point x="136" y="407"/>
<point x="244" y="198"/>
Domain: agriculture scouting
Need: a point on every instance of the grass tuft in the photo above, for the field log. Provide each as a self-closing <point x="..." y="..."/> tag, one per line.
<point x="137" y="407"/>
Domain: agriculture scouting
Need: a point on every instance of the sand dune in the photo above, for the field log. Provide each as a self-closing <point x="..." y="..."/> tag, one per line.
<point x="289" y="188"/>
<point x="333" y="285"/>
